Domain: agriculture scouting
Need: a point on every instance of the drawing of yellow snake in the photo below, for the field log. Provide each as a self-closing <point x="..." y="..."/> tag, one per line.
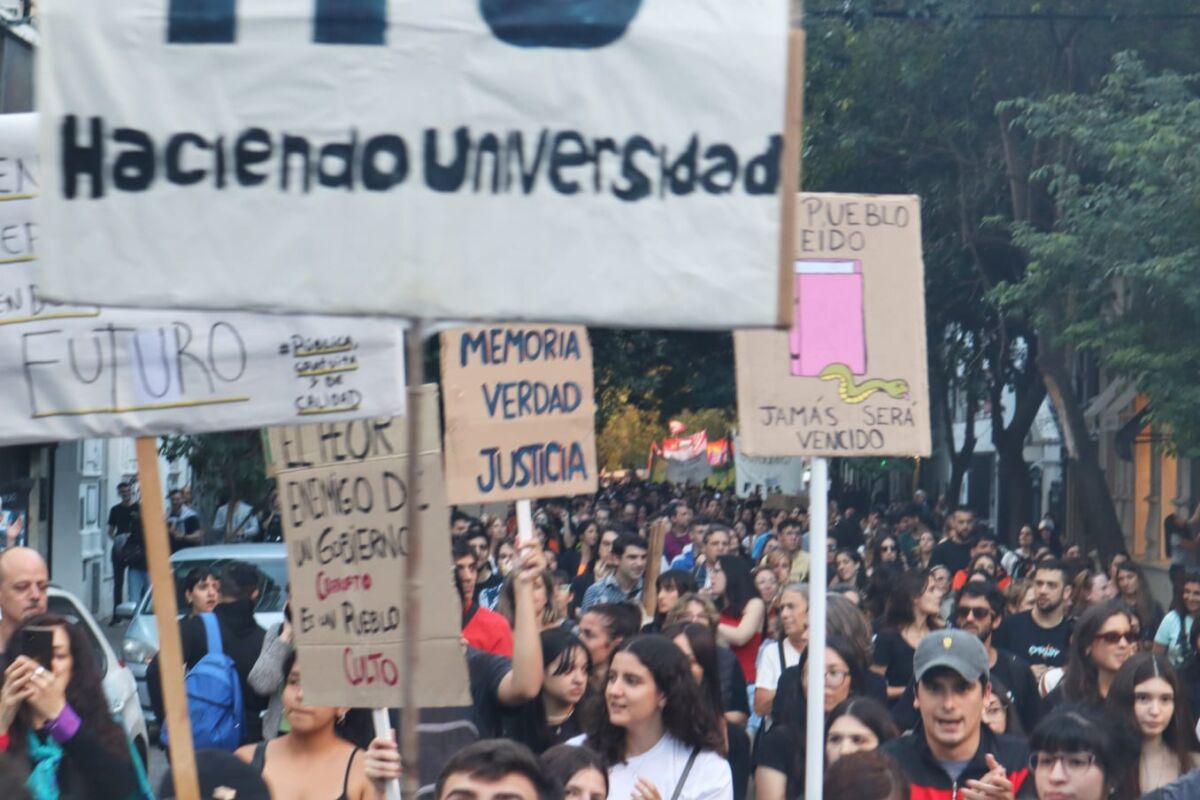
<point x="852" y="392"/>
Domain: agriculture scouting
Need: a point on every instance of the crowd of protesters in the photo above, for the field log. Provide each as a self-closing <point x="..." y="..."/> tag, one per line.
<point x="651" y="643"/>
<point x="978" y="665"/>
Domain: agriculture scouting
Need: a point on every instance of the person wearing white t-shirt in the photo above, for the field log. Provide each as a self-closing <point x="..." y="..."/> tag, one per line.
<point x="660" y="736"/>
<point x="235" y="522"/>
<point x="793" y="617"/>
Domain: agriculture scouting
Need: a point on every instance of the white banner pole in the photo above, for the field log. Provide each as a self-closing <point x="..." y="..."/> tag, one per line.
<point x="383" y="730"/>
<point x="818" y="515"/>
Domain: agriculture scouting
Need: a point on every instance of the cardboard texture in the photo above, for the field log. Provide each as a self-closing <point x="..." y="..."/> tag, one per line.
<point x="328" y="443"/>
<point x="850" y="377"/>
<point x="345" y="523"/>
<point x="520" y="413"/>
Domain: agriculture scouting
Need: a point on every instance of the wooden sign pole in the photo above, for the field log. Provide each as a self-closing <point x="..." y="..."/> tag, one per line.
<point x="658" y="536"/>
<point x="409" y="740"/>
<point x="166" y="613"/>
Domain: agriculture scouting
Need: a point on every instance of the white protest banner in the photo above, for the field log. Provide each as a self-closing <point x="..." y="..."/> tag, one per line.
<point x="82" y="371"/>
<point x="345" y="520"/>
<point x="520" y="412"/>
<point x="766" y="474"/>
<point x="431" y="158"/>
<point x="851" y="377"/>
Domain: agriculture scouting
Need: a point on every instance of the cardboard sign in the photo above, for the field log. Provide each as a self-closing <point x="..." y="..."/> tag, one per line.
<point x="520" y="413"/>
<point x="75" y="372"/>
<point x="850" y="378"/>
<point x="346" y="526"/>
<point x="433" y="158"/>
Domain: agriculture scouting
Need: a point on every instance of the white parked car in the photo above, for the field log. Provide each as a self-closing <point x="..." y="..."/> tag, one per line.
<point x="120" y="687"/>
<point x="141" y="637"/>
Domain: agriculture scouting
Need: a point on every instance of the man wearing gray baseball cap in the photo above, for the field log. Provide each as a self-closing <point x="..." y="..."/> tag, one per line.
<point x="951" y="753"/>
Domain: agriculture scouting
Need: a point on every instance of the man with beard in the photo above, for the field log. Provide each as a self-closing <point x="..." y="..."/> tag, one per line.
<point x="954" y="552"/>
<point x="1041" y="636"/>
<point x="24" y="579"/>
<point x="979" y="610"/>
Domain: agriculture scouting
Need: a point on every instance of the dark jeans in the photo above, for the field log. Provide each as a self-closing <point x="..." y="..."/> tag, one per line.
<point x="118" y="579"/>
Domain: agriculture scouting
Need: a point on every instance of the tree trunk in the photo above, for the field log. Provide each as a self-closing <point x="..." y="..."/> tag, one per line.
<point x="960" y="460"/>
<point x="1016" y="489"/>
<point x="1101" y="524"/>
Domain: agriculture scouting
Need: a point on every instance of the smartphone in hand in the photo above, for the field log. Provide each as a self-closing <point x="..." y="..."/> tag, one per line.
<point x="38" y="644"/>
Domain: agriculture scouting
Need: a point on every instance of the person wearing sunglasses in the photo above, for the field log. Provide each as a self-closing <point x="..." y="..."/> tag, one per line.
<point x="1104" y="639"/>
<point x="1076" y="754"/>
<point x="978" y="610"/>
<point x="886" y="555"/>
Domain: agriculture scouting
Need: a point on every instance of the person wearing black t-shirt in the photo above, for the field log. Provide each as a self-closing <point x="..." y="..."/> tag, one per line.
<point x="980" y="608"/>
<point x="954" y="552"/>
<point x="122" y="519"/>
<point x="1041" y="636"/>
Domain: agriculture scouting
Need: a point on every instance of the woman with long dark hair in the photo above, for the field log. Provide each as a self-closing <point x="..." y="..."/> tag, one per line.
<point x="1148" y="695"/>
<point x="1132" y="588"/>
<point x="848" y="568"/>
<point x="912" y="612"/>
<point x="552" y="717"/>
<point x="659" y="735"/>
<point x="742" y="611"/>
<point x="1174" y="635"/>
<point x="55" y="722"/>
<point x="780" y="771"/>
<point x="886" y="553"/>
<point x="320" y="754"/>
<point x="698" y="644"/>
<point x="669" y="586"/>
<point x="1102" y="641"/>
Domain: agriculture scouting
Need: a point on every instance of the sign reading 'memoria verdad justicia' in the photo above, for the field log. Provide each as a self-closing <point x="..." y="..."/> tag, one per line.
<point x="432" y="157"/>
<point x="520" y="412"/>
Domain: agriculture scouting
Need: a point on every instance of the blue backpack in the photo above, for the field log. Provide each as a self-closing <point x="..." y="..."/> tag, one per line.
<point x="214" y="692"/>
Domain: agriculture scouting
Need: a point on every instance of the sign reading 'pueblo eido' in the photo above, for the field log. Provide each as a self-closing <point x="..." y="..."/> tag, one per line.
<point x="520" y="413"/>
<point x="439" y="152"/>
<point x="850" y="377"/>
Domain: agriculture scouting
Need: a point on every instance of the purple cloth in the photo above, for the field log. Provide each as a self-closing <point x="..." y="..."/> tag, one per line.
<point x="64" y="727"/>
<point x="673" y="544"/>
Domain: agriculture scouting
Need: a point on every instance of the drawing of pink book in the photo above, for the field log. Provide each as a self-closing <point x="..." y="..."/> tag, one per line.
<point x="830" y="324"/>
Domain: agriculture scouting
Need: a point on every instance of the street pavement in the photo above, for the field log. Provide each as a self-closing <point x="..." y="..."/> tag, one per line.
<point x="158" y="758"/>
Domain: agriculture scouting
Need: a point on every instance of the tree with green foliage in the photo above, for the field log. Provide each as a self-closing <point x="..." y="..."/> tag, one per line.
<point x="223" y="465"/>
<point x="914" y="97"/>
<point x="1118" y="276"/>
